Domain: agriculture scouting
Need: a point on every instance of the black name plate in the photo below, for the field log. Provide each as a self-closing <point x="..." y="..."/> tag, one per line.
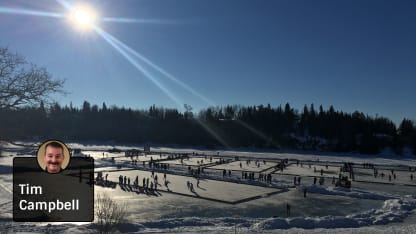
<point x="67" y="196"/>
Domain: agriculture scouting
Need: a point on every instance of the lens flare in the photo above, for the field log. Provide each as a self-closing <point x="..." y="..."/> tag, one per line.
<point x="83" y="17"/>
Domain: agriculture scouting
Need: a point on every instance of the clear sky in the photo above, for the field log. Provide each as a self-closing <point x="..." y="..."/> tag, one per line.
<point x="354" y="55"/>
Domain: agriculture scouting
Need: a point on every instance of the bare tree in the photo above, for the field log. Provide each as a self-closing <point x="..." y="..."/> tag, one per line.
<point x="23" y="83"/>
<point x="108" y="213"/>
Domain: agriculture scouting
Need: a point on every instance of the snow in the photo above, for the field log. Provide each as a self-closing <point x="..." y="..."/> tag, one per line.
<point x="373" y="205"/>
<point x="354" y="193"/>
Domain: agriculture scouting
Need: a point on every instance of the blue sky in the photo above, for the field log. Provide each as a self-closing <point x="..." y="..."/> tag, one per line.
<point x="354" y="55"/>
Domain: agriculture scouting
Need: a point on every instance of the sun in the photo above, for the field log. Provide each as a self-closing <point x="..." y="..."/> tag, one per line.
<point x="83" y="17"/>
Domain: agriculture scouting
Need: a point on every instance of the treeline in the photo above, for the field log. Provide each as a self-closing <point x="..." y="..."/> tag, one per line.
<point x="230" y="126"/>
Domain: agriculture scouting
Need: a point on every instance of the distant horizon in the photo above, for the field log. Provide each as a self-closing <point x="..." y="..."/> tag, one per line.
<point x="196" y="111"/>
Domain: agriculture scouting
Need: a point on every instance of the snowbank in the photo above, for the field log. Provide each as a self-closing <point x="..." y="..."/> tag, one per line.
<point x="393" y="210"/>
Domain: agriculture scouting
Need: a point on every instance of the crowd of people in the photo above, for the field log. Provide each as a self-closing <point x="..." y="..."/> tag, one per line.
<point x="148" y="185"/>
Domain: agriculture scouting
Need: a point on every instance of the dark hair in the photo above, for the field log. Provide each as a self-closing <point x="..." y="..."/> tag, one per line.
<point x="54" y="144"/>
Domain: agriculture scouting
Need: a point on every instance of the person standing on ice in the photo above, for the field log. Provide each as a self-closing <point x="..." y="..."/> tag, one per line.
<point x="287" y="209"/>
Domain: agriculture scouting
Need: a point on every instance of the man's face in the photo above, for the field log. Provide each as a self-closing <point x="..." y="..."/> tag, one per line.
<point x="53" y="158"/>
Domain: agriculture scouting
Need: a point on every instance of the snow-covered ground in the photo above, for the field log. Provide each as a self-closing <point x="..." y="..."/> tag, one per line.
<point x="225" y="204"/>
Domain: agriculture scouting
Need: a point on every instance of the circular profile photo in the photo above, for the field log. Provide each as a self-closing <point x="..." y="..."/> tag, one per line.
<point x="53" y="156"/>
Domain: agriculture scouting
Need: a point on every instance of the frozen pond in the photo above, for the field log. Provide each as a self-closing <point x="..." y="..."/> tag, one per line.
<point x="145" y="208"/>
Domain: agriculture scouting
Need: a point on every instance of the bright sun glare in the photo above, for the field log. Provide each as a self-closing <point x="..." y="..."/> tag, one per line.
<point x="83" y="17"/>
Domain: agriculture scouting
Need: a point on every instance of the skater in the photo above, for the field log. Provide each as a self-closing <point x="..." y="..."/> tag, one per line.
<point x="304" y="192"/>
<point x="287" y="209"/>
<point x="314" y="180"/>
